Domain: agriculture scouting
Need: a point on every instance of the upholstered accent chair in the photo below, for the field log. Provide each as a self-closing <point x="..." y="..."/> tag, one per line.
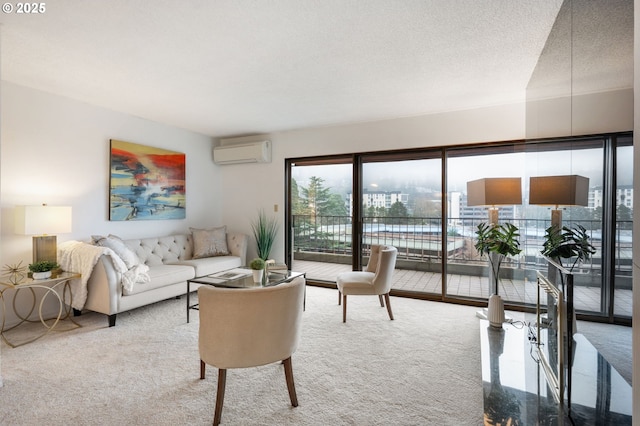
<point x="241" y="328"/>
<point x="375" y="279"/>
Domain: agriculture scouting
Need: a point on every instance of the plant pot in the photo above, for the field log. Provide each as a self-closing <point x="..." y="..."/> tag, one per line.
<point x="41" y="275"/>
<point x="257" y="275"/>
<point x="495" y="312"/>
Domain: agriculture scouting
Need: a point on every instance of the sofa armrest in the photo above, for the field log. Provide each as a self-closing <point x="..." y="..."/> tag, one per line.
<point x="237" y="243"/>
<point x="104" y="287"/>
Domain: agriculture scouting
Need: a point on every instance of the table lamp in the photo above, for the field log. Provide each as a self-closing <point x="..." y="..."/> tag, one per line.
<point x="43" y="222"/>
<point x="567" y="190"/>
<point x="494" y="192"/>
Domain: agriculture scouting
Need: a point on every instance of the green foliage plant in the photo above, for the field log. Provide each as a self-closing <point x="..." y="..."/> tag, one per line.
<point x="43" y="266"/>
<point x="567" y="243"/>
<point x="265" y="231"/>
<point x="257" y="264"/>
<point x="499" y="239"/>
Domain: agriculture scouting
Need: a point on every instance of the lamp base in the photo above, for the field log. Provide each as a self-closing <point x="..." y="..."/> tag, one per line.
<point x="45" y="247"/>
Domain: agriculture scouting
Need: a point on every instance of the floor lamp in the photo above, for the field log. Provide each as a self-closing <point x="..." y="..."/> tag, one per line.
<point x="43" y="222"/>
<point x="494" y="192"/>
<point x="556" y="191"/>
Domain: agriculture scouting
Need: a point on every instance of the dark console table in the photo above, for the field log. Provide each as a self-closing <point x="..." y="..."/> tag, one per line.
<point x="515" y="386"/>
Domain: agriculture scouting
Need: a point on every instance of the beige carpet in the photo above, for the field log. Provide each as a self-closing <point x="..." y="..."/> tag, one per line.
<point x="421" y="369"/>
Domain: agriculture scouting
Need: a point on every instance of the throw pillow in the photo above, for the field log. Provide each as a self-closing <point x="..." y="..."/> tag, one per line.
<point x="116" y="244"/>
<point x="209" y="242"/>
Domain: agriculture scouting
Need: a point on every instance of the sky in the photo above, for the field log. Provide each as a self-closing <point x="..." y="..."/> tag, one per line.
<point x="390" y="176"/>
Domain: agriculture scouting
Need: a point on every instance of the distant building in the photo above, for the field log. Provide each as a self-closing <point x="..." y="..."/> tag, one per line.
<point x="454" y="207"/>
<point x="471" y="215"/>
<point x="624" y="197"/>
<point x="379" y="199"/>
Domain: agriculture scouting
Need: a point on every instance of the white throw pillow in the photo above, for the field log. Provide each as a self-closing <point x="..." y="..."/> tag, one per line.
<point x="116" y="244"/>
<point x="209" y="242"/>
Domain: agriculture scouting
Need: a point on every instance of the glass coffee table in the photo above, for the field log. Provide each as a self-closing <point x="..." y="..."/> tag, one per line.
<point x="239" y="278"/>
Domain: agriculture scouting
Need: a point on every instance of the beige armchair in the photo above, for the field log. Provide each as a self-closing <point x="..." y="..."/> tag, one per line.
<point x="242" y="328"/>
<point x="374" y="280"/>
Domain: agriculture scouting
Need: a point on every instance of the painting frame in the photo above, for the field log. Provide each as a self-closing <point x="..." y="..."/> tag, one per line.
<point x="145" y="182"/>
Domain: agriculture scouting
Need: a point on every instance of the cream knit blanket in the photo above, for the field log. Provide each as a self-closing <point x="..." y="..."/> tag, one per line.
<point x="80" y="257"/>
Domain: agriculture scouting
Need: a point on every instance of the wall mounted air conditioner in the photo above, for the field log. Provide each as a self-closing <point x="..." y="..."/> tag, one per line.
<point x="253" y="152"/>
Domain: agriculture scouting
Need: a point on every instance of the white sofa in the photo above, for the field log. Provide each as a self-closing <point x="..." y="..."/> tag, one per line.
<point x="171" y="263"/>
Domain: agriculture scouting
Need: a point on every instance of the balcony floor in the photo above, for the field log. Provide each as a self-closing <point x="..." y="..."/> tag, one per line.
<point x="585" y="298"/>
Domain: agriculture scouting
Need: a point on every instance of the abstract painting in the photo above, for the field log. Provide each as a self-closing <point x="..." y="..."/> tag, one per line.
<point x="146" y="183"/>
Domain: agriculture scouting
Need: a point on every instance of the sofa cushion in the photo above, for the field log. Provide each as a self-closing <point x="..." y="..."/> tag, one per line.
<point x="161" y="276"/>
<point x="209" y="242"/>
<point x="210" y="265"/>
<point x="116" y="244"/>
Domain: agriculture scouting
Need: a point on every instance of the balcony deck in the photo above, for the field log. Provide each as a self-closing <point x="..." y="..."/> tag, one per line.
<point x="585" y="298"/>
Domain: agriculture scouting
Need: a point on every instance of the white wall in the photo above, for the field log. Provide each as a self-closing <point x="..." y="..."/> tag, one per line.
<point x="265" y="183"/>
<point x="56" y="151"/>
<point x="580" y="115"/>
<point x="636" y="223"/>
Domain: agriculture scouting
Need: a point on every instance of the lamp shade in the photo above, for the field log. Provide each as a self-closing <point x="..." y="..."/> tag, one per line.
<point x="567" y="190"/>
<point x="494" y="192"/>
<point x="40" y="220"/>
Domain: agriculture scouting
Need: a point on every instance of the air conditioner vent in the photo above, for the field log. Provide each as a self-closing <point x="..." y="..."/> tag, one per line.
<point x="254" y="152"/>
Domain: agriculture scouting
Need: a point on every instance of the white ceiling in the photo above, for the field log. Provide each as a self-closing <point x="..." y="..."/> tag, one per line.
<point x="237" y="67"/>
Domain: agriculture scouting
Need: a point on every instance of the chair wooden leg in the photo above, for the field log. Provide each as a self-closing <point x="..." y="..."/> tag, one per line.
<point x="288" y="373"/>
<point x="203" y="367"/>
<point x="339" y="297"/>
<point x="344" y="308"/>
<point x="386" y="298"/>
<point x="381" y="302"/>
<point x="222" y="381"/>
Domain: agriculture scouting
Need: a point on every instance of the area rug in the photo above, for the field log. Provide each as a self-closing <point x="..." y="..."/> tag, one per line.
<point x="423" y="368"/>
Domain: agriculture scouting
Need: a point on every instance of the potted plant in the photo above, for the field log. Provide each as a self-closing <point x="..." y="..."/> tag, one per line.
<point x="497" y="242"/>
<point x="567" y="243"/>
<point x="42" y="269"/>
<point x="257" y="265"/>
<point x="265" y="231"/>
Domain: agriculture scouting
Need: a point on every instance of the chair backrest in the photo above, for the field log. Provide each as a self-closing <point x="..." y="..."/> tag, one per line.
<point x="386" y="264"/>
<point x="249" y="327"/>
<point x="372" y="265"/>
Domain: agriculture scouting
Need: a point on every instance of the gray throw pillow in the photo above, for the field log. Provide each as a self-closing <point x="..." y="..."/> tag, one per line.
<point x="209" y="242"/>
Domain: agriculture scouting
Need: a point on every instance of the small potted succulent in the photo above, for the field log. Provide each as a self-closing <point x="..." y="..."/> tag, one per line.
<point x="42" y="269"/>
<point x="257" y="265"/>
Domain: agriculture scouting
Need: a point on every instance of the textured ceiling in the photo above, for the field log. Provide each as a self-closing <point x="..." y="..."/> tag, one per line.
<point x="235" y="67"/>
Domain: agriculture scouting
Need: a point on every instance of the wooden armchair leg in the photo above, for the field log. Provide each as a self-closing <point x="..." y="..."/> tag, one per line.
<point x="222" y="381"/>
<point x="344" y="308"/>
<point x="288" y="373"/>
<point x="386" y="298"/>
<point x="203" y="367"/>
<point x="381" y="302"/>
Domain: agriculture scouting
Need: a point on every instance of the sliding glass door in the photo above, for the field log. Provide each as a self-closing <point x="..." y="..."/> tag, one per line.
<point x="339" y="206"/>
<point x="468" y="270"/>
<point x="320" y="221"/>
<point x="394" y="200"/>
<point x="401" y="205"/>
